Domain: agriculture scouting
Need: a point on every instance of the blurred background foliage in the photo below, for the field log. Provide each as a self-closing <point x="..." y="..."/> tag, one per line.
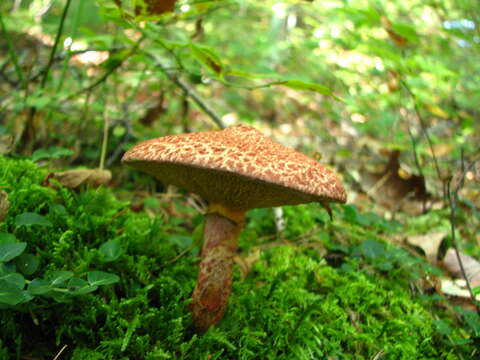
<point x="389" y="62"/>
<point x="356" y="81"/>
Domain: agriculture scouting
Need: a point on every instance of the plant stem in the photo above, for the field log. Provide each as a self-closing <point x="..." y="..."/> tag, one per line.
<point x="55" y="45"/>
<point x="73" y="33"/>
<point x="29" y="134"/>
<point x="11" y="52"/>
<point x="423" y="126"/>
<point x="106" y="125"/>
<point x="190" y="93"/>
<point x="109" y="72"/>
<point x="452" y="197"/>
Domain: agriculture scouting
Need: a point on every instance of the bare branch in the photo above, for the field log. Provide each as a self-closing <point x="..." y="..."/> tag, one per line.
<point x="190" y="93"/>
<point x="450" y="196"/>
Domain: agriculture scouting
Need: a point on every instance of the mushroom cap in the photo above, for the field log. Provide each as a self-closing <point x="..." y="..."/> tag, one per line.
<point x="238" y="167"/>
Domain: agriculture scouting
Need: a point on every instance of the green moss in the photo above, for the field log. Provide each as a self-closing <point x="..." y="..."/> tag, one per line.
<point x="292" y="305"/>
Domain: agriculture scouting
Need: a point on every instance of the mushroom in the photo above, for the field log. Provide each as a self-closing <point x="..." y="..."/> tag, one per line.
<point x="235" y="170"/>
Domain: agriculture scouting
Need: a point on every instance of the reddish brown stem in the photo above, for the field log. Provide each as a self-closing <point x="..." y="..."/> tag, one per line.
<point x="214" y="285"/>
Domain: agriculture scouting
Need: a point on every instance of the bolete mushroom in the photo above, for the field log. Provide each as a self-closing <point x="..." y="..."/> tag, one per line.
<point x="235" y="170"/>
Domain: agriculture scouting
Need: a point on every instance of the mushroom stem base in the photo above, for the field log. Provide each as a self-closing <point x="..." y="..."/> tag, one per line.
<point x="210" y="297"/>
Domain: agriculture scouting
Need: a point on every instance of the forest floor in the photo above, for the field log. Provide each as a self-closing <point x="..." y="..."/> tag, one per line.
<point x="96" y="276"/>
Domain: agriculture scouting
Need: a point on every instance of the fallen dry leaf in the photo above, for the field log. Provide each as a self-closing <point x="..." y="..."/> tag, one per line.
<point x="437" y="111"/>
<point x="472" y="194"/>
<point x="154" y="112"/>
<point x="4" y="205"/>
<point x="74" y="178"/>
<point x="150" y="7"/>
<point x="429" y="243"/>
<point x="398" y="39"/>
<point x="471" y="266"/>
<point x="6" y="144"/>
<point x="441" y="150"/>
<point x="394" y="188"/>
<point x="154" y="7"/>
<point x="457" y="288"/>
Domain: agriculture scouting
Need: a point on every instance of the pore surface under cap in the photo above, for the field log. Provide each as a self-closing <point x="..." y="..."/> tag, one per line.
<point x="238" y="167"/>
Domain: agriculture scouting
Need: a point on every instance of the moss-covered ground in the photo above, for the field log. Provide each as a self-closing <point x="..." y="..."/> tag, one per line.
<point x="326" y="290"/>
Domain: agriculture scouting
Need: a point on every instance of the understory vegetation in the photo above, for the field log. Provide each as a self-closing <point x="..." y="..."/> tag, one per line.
<point x="337" y="291"/>
<point x="99" y="261"/>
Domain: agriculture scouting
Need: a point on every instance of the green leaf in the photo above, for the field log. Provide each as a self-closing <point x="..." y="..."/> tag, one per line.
<point x="51" y="153"/>
<point x="60" y="296"/>
<point x="29" y="219"/>
<point x="207" y="58"/>
<point x="152" y="203"/>
<point x="383" y="265"/>
<point x="471" y="319"/>
<point x="10" y="294"/>
<point x="372" y="249"/>
<point x="197" y="235"/>
<point x="442" y="327"/>
<point x="181" y="241"/>
<point x="247" y="75"/>
<point x="7" y="268"/>
<point x="11" y="250"/>
<point x="115" y="59"/>
<point x="6" y="238"/>
<point x="39" y="101"/>
<point x="301" y="85"/>
<point x="381" y="49"/>
<point x="79" y="286"/>
<point x="96" y="278"/>
<point x="15" y="279"/>
<point x="39" y="287"/>
<point x="111" y="250"/>
<point x="60" y="276"/>
<point x="408" y="31"/>
<point x="27" y="263"/>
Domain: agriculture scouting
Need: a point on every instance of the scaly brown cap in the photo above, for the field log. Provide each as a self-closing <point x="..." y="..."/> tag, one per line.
<point x="237" y="167"/>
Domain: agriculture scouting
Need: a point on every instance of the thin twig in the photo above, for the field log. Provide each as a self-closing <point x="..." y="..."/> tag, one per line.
<point x="106" y="125"/>
<point x="190" y="93"/>
<point x="109" y="72"/>
<point x="186" y="89"/>
<point x="423" y="126"/>
<point x="417" y="165"/>
<point x="69" y="52"/>
<point x="11" y="51"/>
<point x="379" y="355"/>
<point x="451" y="197"/>
<point x="119" y="149"/>
<point x="55" y="45"/>
<point x="60" y="352"/>
<point x="371" y="192"/>
<point x="415" y="153"/>
<point x="29" y="127"/>
<point x="60" y="57"/>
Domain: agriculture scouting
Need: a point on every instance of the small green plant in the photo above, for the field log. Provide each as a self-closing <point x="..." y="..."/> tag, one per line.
<point x="26" y="271"/>
<point x="59" y="285"/>
<point x="53" y="152"/>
